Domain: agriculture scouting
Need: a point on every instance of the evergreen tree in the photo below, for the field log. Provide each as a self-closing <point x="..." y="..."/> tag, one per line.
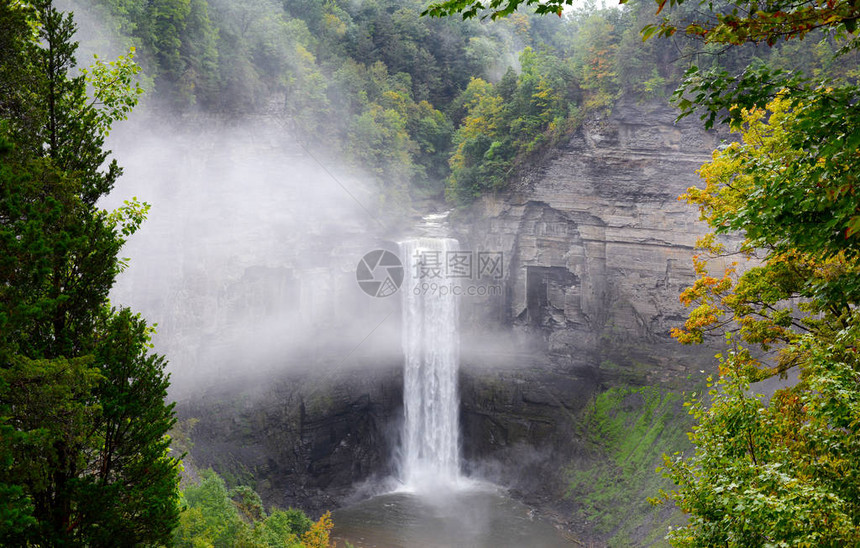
<point x="83" y="452"/>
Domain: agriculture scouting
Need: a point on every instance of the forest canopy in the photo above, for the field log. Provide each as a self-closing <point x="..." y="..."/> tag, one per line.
<point x="424" y="106"/>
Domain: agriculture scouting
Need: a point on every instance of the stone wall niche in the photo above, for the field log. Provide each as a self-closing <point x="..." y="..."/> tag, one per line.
<point x="552" y="294"/>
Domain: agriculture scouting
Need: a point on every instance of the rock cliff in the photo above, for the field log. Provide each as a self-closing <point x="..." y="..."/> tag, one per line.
<point x="595" y="250"/>
<point x="313" y="440"/>
<point x="597" y="247"/>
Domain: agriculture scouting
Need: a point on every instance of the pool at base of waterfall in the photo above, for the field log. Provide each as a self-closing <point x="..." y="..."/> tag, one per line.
<point x="473" y="517"/>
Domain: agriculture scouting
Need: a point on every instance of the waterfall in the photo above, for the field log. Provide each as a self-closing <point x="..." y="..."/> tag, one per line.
<point x="431" y="448"/>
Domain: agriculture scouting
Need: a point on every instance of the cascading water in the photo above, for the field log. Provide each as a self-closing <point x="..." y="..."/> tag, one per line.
<point x="436" y="507"/>
<point x="431" y="448"/>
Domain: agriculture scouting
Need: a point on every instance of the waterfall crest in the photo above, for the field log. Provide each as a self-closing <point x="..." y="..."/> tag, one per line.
<point x="431" y="437"/>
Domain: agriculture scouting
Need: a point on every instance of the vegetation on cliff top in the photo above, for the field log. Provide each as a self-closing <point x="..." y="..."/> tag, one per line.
<point x="423" y="105"/>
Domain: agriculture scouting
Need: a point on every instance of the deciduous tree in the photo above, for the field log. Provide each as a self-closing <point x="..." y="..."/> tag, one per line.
<point x="782" y="473"/>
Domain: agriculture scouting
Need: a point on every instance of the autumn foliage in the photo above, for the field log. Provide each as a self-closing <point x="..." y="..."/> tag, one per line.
<point x="778" y="279"/>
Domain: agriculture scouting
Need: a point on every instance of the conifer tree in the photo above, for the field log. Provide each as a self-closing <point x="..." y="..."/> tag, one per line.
<point x="83" y="418"/>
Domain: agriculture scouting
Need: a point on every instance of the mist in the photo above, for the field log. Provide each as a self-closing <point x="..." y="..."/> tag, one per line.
<point x="247" y="260"/>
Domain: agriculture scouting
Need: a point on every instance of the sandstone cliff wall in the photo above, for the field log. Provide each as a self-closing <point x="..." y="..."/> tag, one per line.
<point x="596" y="249"/>
<point x="597" y="246"/>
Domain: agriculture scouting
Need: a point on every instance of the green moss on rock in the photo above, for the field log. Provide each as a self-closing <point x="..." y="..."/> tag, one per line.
<point x="627" y="430"/>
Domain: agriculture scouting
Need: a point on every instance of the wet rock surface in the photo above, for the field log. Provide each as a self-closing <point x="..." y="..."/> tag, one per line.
<point x="306" y="440"/>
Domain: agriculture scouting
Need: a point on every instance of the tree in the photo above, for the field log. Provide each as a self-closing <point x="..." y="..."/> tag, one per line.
<point x="47" y="415"/>
<point x="480" y="128"/>
<point x="595" y="54"/>
<point x="130" y="491"/>
<point x="432" y="132"/>
<point x="494" y="9"/>
<point x="506" y="123"/>
<point x="82" y="410"/>
<point x="786" y="472"/>
<point x="217" y="516"/>
<point x="782" y="473"/>
<point x="209" y="515"/>
<point x="165" y="28"/>
<point x="318" y="534"/>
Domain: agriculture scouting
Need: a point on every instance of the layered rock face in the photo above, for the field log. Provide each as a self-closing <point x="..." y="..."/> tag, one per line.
<point x="596" y="248"/>
<point x="308" y="440"/>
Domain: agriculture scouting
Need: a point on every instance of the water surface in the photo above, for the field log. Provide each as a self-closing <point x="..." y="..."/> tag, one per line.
<point x="471" y="518"/>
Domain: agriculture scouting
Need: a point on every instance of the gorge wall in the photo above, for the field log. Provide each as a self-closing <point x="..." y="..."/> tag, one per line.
<point x="596" y="248"/>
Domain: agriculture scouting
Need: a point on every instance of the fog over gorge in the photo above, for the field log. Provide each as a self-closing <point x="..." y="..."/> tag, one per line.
<point x="247" y="260"/>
